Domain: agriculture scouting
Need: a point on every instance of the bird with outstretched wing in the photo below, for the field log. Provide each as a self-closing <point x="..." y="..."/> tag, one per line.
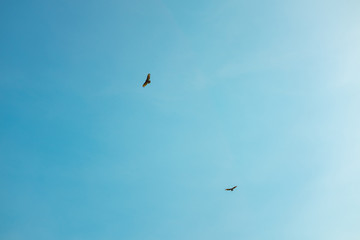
<point x="231" y="189"/>
<point x="147" y="81"/>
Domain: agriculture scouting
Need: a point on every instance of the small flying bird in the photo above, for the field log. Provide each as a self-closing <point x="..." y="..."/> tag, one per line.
<point x="147" y="80"/>
<point x="231" y="189"/>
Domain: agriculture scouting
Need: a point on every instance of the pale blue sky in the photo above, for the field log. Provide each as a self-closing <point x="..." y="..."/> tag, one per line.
<point x="260" y="94"/>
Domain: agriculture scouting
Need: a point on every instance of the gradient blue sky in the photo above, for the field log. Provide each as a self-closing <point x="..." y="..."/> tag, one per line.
<point x="262" y="94"/>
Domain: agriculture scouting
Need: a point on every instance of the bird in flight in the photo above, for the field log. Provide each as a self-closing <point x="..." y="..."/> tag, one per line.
<point x="147" y="81"/>
<point x="231" y="189"/>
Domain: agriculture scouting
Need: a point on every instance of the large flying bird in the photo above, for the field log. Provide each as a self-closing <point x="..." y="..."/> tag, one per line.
<point x="231" y="189"/>
<point x="147" y="81"/>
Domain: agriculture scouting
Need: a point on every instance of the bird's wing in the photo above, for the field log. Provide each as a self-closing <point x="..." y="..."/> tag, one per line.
<point x="148" y="77"/>
<point x="228" y="189"/>
<point x="145" y="83"/>
<point x="234" y="187"/>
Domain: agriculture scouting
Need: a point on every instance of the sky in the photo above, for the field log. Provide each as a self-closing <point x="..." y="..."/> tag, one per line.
<point x="261" y="94"/>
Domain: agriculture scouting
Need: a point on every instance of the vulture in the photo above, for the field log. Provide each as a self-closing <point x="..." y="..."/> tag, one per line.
<point x="231" y="189"/>
<point x="147" y="81"/>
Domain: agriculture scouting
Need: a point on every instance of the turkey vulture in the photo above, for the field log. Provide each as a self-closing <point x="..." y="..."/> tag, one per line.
<point x="231" y="189"/>
<point x="147" y="80"/>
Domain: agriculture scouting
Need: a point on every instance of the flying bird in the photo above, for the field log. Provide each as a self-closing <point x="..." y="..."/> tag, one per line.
<point x="231" y="189"/>
<point x="147" y="81"/>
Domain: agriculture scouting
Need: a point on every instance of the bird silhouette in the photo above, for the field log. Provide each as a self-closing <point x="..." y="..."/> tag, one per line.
<point x="147" y="81"/>
<point x="231" y="189"/>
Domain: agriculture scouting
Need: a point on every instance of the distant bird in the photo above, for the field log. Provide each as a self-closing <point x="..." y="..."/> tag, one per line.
<point x="231" y="189"/>
<point x="147" y="80"/>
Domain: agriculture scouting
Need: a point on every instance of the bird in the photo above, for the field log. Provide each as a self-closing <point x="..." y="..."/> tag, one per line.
<point x="231" y="189"/>
<point x="147" y="81"/>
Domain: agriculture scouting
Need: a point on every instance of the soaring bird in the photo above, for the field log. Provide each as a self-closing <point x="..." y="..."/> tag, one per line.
<point x="231" y="189"/>
<point x="147" y="81"/>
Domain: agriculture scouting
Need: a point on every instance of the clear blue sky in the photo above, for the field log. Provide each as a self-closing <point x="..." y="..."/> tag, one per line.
<point x="262" y="94"/>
